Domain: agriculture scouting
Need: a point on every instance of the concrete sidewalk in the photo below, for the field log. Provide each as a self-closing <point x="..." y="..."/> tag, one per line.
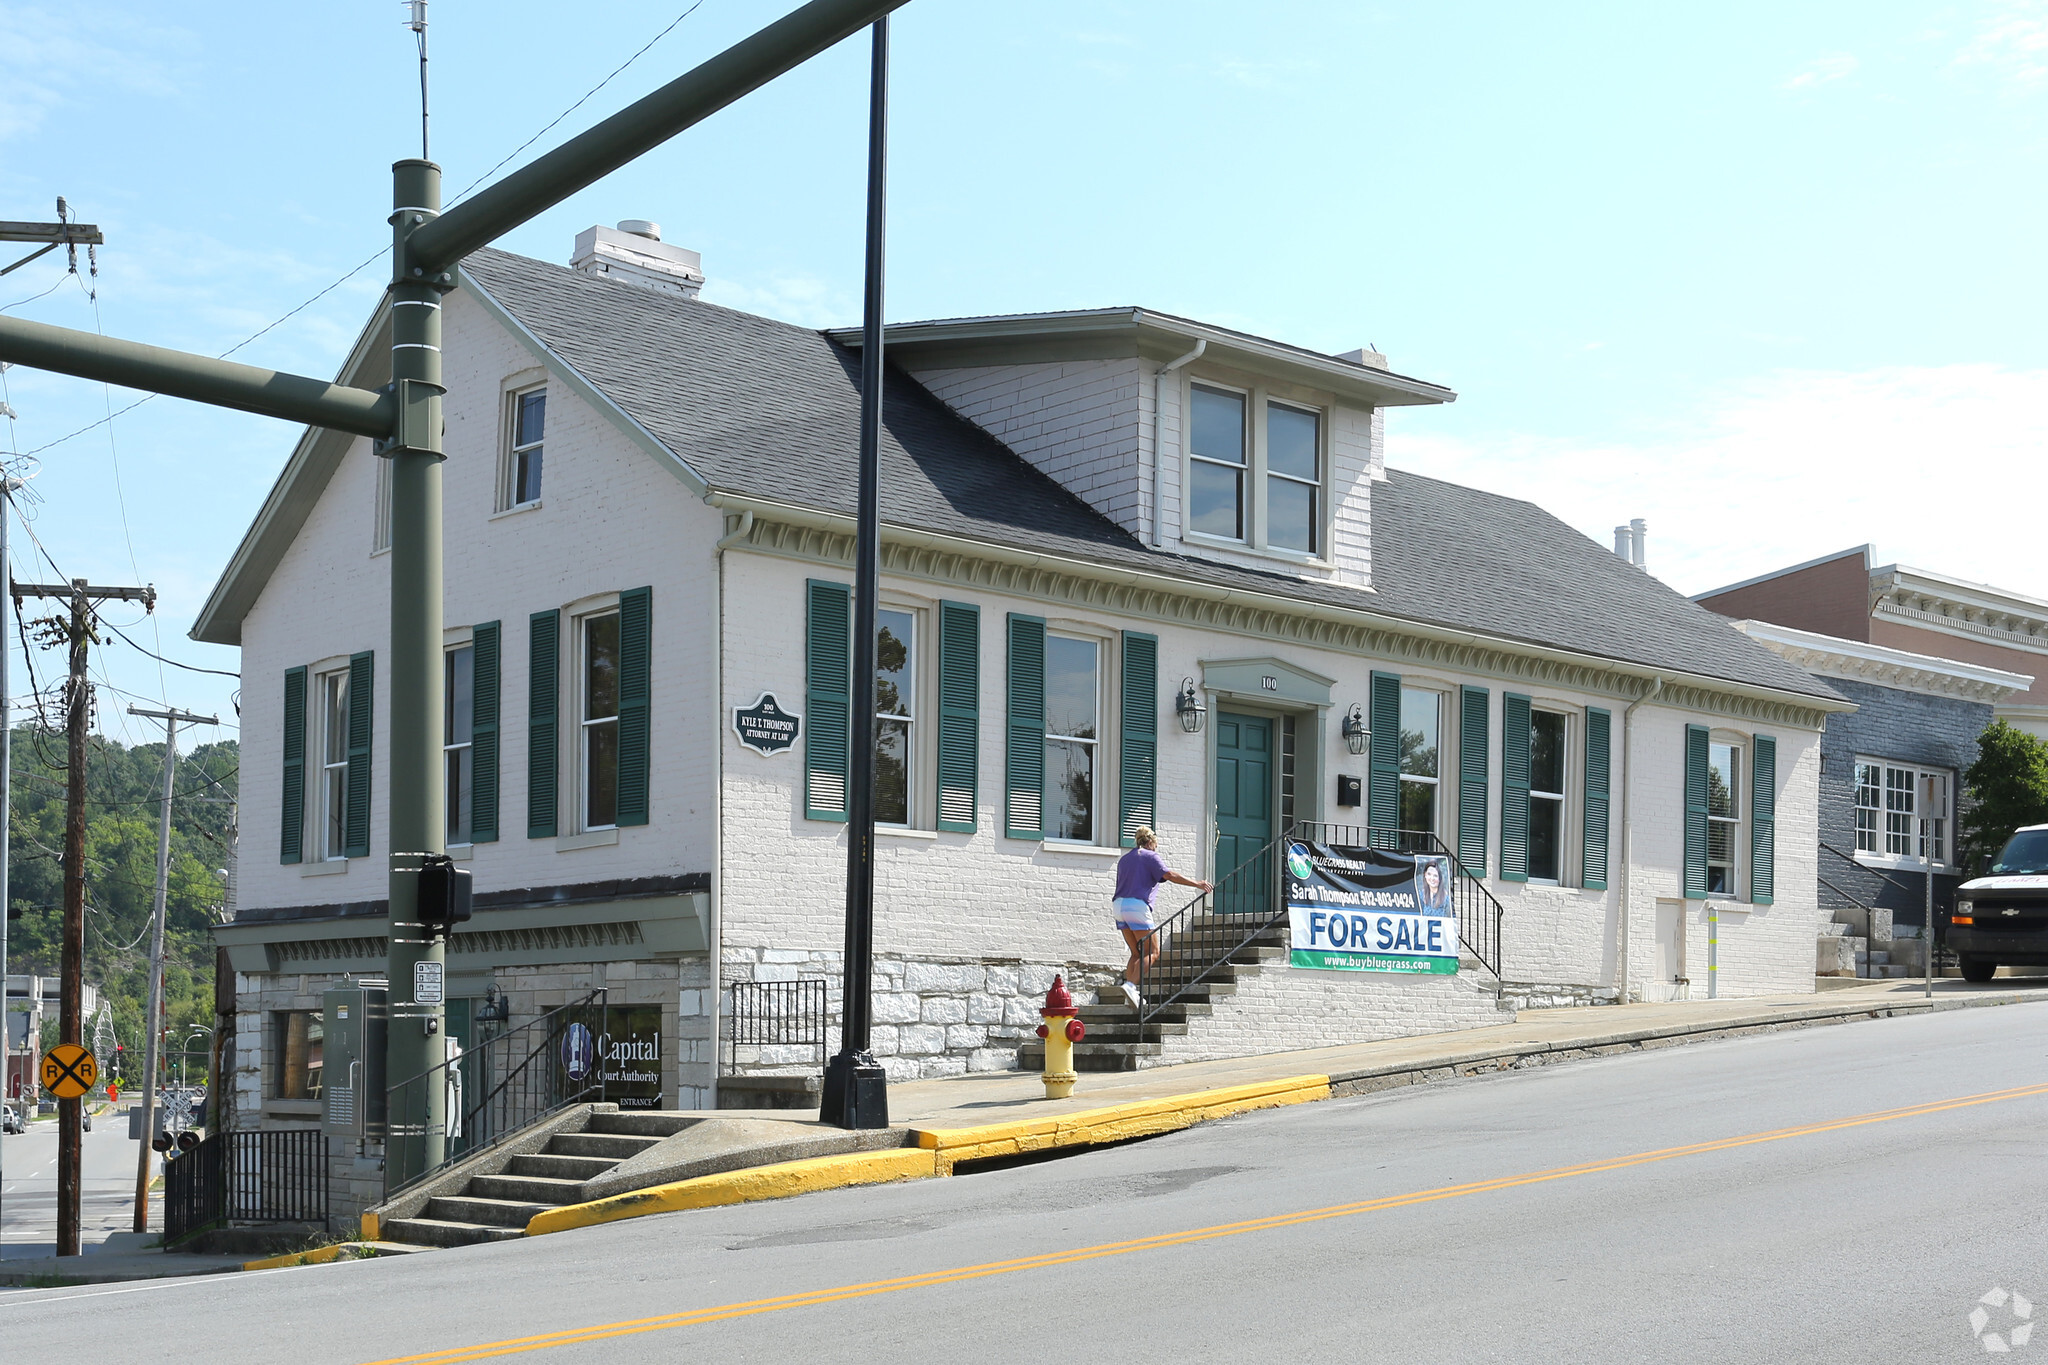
<point x="122" y="1256"/>
<point x="1536" y="1037"/>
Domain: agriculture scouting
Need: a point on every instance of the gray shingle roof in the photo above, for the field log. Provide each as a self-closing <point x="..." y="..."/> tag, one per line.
<point x="769" y="409"/>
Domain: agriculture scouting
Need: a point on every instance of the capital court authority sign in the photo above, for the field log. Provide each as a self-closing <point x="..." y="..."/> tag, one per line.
<point x="1366" y="910"/>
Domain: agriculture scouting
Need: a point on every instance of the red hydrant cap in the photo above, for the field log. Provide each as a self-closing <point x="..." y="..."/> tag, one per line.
<point x="1058" y="1001"/>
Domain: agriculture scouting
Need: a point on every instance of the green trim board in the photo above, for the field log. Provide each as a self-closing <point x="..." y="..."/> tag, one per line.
<point x="1696" y="759"/>
<point x="1763" y="821"/>
<point x="1138" y="750"/>
<point x="543" y="722"/>
<point x="959" y="716"/>
<point x="485" y="709"/>
<point x="291" y="844"/>
<point x="1514" y="787"/>
<point x="362" y="710"/>
<point x="1593" y="849"/>
<point x="1024" y="730"/>
<point x="1474" y="711"/>
<point x="828" y="698"/>
<point x="636" y="607"/>
<point x="1383" y="773"/>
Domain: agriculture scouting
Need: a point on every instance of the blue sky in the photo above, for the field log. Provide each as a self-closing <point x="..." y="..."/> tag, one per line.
<point x="1757" y="273"/>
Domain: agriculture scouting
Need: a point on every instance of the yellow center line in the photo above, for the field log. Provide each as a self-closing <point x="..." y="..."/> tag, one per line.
<point x="576" y="1335"/>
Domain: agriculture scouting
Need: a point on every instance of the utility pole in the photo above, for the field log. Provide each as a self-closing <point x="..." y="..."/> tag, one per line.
<point x="172" y="719"/>
<point x="7" y="487"/>
<point x="65" y="233"/>
<point x="71" y="1018"/>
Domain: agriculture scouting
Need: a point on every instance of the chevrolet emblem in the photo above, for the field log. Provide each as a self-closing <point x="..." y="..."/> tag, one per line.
<point x="2008" y="913"/>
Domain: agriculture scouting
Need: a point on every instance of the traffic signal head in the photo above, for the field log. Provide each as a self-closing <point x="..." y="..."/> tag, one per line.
<point x="187" y="1140"/>
<point x="444" y="894"/>
<point x="160" y="1143"/>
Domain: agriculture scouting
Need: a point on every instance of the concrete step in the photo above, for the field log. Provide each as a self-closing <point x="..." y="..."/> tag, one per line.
<point x="534" y="1189"/>
<point x="1033" y="1059"/>
<point x="1130" y="1031"/>
<point x="640" y="1123"/>
<point x="614" y="1146"/>
<point x="441" y="1232"/>
<point x="1179" y="1012"/>
<point x="1877" y="958"/>
<point x="560" y="1166"/>
<point x="497" y="1213"/>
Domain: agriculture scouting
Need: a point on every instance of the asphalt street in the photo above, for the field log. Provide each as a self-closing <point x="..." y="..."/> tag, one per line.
<point x="28" y="1190"/>
<point x="1832" y="1194"/>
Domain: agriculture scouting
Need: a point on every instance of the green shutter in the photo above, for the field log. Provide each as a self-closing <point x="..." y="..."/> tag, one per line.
<point x="635" y="714"/>
<point x="543" y="714"/>
<point x="1138" y="770"/>
<point x="1599" y="745"/>
<point x="362" y="706"/>
<point x="291" y="843"/>
<point x="1383" y="788"/>
<point x="959" y="715"/>
<point x="483" y="733"/>
<point x="1695" y="812"/>
<point x="1474" y="703"/>
<point x="1763" y="822"/>
<point x="828" y="698"/>
<point x="1514" y="787"/>
<point x="1024" y="731"/>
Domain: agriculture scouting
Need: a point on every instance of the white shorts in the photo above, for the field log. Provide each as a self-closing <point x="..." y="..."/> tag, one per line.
<point x="1133" y="914"/>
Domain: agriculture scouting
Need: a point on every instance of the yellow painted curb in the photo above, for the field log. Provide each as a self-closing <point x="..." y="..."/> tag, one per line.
<point x="317" y="1256"/>
<point x="1117" y="1123"/>
<point x="369" y="1227"/>
<point x="745" y="1186"/>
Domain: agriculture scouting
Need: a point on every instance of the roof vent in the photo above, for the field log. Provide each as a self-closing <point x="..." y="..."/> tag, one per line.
<point x="633" y="253"/>
<point x="1368" y="356"/>
<point x="1628" y="541"/>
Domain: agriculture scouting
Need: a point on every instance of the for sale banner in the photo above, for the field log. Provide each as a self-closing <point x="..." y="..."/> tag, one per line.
<point x="1364" y="910"/>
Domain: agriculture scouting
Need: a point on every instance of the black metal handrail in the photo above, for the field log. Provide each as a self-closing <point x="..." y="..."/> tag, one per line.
<point x="266" y="1176"/>
<point x="1193" y="944"/>
<point x="777" y="1014"/>
<point x="500" y="1084"/>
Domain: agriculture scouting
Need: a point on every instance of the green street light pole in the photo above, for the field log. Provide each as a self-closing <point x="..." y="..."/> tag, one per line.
<point x="416" y="1139"/>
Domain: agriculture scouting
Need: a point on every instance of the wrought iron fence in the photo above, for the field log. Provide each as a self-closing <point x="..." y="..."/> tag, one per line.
<point x="1246" y="905"/>
<point x="268" y="1176"/>
<point x="777" y="1014"/>
<point x="1479" y="914"/>
<point x="498" y="1086"/>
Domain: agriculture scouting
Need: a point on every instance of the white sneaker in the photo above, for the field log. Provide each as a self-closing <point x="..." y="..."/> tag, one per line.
<point x="1131" y="994"/>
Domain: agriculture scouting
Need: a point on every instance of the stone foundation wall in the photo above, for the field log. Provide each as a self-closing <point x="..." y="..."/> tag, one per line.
<point x="933" y="1016"/>
<point x="1543" y="995"/>
<point x="1278" y="1008"/>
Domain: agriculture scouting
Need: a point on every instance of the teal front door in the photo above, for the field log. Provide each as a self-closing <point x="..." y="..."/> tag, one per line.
<point x="1244" y="809"/>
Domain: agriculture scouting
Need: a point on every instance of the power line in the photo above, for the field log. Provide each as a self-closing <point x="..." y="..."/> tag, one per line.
<point x="190" y="668"/>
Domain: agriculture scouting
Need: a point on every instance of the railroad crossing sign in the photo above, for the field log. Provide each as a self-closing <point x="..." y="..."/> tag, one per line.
<point x="69" y="1071"/>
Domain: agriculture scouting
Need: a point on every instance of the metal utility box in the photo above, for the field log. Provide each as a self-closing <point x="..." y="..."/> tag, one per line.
<point x="356" y="1016"/>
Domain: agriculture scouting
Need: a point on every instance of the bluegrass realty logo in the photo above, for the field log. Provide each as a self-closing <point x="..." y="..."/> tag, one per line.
<point x="1298" y="862"/>
<point x="2015" y="1322"/>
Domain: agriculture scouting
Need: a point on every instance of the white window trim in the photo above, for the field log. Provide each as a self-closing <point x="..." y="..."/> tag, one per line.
<point x="1254" y="542"/>
<point x="380" y="529"/>
<point x="1563" y="800"/>
<point x="321" y="812"/>
<point x="1443" y="695"/>
<point x="449" y="646"/>
<point x="1738" y="861"/>
<point x="508" y="459"/>
<point x="913" y="759"/>
<point x="1320" y="484"/>
<point x="1892" y="861"/>
<point x="579" y="747"/>
<point x="1106" y="658"/>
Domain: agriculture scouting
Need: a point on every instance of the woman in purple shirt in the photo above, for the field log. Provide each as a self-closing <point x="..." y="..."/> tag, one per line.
<point x="1138" y="875"/>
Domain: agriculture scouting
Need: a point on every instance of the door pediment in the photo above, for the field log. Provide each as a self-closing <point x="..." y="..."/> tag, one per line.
<point x="1266" y="679"/>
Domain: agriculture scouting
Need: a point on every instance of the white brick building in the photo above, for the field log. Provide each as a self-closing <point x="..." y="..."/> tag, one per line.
<point x="648" y="527"/>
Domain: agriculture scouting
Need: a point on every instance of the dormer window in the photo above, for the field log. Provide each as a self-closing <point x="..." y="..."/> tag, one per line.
<point x="1255" y="470"/>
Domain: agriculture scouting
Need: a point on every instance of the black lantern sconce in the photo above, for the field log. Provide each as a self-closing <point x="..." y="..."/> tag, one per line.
<point x="496" y="1009"/>
<point x="1356" y="736"/>
<point x="1188" y="706"/>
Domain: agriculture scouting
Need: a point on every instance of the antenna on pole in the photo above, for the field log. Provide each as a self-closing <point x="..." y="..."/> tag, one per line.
<point x="416" y="20"/>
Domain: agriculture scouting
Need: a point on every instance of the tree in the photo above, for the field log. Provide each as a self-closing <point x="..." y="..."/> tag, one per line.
<point x="2007" y="786"/>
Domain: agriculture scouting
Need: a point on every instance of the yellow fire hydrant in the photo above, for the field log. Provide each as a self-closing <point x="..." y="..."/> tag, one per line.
<point x="1061" y="1030"/>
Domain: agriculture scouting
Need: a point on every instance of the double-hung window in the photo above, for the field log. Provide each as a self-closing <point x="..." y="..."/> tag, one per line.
<point x="1888" y="814"/>
<point x="1547" y="739"/>
<point x="528" y="425"/>
<point x="1293" y="478"/>
<point x="1216" y="463"/>
<point x="1073" y="711"/>
<point x="895" y="711"/>
<point x="1724" y="816"/>
<point x="333" y="702"/>
<point x="297" y="1040"/>
<point x="458" y="736"/>
<point x="1255" y="470"/>
<point x="1421" y="758"/>
<point x="598" y="765"/>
